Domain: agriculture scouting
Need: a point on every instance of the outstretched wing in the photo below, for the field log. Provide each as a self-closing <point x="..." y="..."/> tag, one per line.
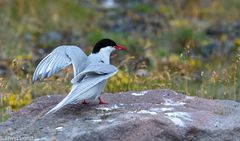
<point x="90" y="77"/>
<point x="59" y="58"/>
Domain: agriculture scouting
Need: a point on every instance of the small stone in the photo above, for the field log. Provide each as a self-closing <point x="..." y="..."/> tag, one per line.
<point x="142" y="73"/>
<point x="59" y="129"/>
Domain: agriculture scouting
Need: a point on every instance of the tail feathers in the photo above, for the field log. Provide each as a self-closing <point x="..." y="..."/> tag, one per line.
<point x="86" y="90"/>
<point x="72" y="97"/>
<point x="58" y="106"/>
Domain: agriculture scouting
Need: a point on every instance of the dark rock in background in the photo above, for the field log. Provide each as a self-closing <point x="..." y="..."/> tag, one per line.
<point x="142" y="73"/>
<point x="3" y="70"/>
<point x="133" y="116"/>
<point x="230" y="29"/>
<point x="210" y="49"/>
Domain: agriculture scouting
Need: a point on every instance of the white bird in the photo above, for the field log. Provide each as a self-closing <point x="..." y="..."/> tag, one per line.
<point x="90" y="72"/>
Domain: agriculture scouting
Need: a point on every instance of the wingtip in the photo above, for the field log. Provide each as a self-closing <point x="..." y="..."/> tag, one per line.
<point x="34" y="80"/>
<point x="53" y="110"/>
<point x="50" y="112"/>
<point x="46" y="113"/>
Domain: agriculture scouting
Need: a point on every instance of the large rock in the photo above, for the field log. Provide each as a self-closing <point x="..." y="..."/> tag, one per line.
<point x="133" y="116"/>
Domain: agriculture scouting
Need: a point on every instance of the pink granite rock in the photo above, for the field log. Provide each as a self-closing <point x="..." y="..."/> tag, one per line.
<point x="154" y="115"/>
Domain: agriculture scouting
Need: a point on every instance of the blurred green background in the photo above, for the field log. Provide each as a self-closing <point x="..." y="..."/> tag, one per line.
<point x="190" y="46"/>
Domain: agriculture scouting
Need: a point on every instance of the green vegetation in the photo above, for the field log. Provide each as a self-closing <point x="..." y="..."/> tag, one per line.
<point x="184" y="45"/>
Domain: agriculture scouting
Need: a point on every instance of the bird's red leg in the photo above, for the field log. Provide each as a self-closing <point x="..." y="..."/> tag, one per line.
<point x="101" y="101"/>
<point x="85" y="102"/>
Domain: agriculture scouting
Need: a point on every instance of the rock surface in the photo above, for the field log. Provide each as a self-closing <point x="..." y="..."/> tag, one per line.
<point x="133" y="116"/>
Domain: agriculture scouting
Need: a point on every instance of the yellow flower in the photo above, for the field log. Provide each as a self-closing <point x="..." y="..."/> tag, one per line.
<point x="173" y="59"/>
<point x="192" y="62"/>
<point x="237" y="42"/>
<point x="179" y="22"/>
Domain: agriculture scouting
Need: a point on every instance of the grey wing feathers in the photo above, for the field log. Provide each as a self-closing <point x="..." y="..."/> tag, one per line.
<point x="59" y="58"/>
<point x="94" y="68"/>
<point x="79" y="89"/>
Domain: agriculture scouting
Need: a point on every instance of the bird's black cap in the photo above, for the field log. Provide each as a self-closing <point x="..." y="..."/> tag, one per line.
<point x="103" y="43"/>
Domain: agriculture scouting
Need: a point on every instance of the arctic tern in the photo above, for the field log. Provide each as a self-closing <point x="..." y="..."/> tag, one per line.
<point x="90" y="72"/>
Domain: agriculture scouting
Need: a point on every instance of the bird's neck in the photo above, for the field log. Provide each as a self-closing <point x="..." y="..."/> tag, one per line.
<point x="102" y="56"/>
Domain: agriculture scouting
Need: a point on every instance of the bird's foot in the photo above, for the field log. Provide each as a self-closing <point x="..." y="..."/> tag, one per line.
<point x="101" y="101"/>
<point x="85" y="102"/>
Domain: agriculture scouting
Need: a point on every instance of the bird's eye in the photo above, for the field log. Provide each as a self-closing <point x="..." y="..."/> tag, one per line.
<point x="102" y="61"/>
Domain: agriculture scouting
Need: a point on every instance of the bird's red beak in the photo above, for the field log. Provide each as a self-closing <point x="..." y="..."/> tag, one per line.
<point x="120" y="47"/>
